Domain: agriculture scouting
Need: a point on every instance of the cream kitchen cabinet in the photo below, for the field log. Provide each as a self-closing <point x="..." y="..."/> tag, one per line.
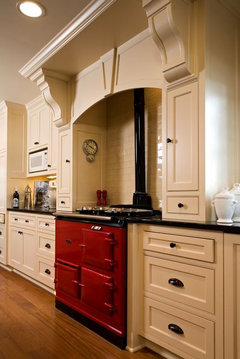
<point x="181" y="286"/>
<point x="42" y="133"/>
<point x="232" y="295"/>
<point x="64" y="174"/>
<point x="181" y="133"/>
<point x="39" y="124"/>
<point x="13" y="132"/>
<point x="32" y="246"/>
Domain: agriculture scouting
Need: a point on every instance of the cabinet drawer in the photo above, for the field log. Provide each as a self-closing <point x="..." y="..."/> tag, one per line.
<point x="63" y="202"/>
<point x="182" y="283"/>
<point x="183" y="205"/>
<point x="46" y="223"/>
<point x="46" y="245"/>
<point x="45" y="271"/>
<point x="179" y="245"/>
<point x="23" y="221"/>
<point x="162" y="323"/>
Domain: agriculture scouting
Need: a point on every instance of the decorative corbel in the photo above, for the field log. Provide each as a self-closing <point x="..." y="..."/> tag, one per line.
<point x="170" y="25"/>
<point x="55" y="89"/>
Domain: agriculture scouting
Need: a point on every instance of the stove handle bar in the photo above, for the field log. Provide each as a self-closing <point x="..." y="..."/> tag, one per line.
<point x="63" y="262"/>
<point x="110" y="307"/>
<point x="111" y="262"/>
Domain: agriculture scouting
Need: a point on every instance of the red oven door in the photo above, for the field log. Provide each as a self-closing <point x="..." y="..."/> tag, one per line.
<point x="68" y="238"/>
<point x="67" y="279"/>
<point x="97" y="291"/>
<point x="97" y="248"/>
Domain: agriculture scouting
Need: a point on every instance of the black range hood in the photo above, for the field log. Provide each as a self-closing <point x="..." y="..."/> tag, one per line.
<point x="140" y="198"/>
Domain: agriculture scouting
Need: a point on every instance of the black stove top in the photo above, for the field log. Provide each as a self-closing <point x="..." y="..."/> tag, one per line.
<point x="115" y="211"/>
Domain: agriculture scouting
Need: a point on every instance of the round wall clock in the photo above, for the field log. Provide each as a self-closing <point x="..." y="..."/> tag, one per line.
<point x="90" y="149"/>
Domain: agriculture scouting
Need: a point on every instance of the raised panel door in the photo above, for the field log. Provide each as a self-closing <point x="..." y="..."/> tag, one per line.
<point x="3" y="130"/>
<point x="53" y="146"/>
<point x="64" y="170"/>
<point x="16" y="247"/>
<point x="29" y="253"/>
<point x="182" y="138"/>
<point x="33" y="131"/>
<point x="3" y="180"/>
<point x="44" y="126"/>
<point x="232" y="296"/>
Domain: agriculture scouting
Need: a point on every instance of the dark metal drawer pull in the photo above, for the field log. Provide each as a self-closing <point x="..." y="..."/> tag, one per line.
<point x="0" y="251"/>
<point x="26" y="220"/>
<point x="0" y="233"/>
<point x="176" y="282"/>
<point x="47" y="271"/>
<point x="47" y="224"/>
<point x="36" y="143"/>
<point x="176" y="329"/>
<point x="20" y="232"/>
<point x="68" y="161"/>
<point x="68" y="241"/>
<point x="62" y="202"/>
<point x="180" y="205"/>
<point x="15" y="219"/>
<point x="172" y="245"/>
<point x="47" y="245"/>
<point x="169" y="140"/>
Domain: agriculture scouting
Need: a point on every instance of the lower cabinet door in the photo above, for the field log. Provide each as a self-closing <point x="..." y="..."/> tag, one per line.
<point x="67" y="279"/>
<point x="97" y="290"/>
<point x="180" y="332"/>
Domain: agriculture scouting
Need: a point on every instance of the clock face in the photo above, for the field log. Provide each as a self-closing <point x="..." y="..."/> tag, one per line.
<point x="90" y="148"/>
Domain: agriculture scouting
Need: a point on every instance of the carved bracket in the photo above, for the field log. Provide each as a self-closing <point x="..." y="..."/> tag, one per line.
<point x="170" y="25"/>
<point x="55" y="88"/>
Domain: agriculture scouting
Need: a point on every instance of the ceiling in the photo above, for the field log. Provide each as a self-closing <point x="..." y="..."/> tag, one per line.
<point x="21" y="38"/>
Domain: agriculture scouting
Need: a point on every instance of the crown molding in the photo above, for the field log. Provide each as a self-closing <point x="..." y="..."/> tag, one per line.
<point x="78" y="24"/>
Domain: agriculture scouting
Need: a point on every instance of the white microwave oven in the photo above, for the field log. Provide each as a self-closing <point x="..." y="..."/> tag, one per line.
<point x="38" y="161"/>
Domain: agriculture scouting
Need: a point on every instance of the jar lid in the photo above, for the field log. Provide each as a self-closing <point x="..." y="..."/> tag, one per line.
<point x="236" y="188"/>
<point x="225" y="194"/>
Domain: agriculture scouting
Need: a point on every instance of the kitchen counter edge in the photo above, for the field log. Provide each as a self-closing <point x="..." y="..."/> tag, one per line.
<point x="158" y="220"/>
<point x="32" y="210"/>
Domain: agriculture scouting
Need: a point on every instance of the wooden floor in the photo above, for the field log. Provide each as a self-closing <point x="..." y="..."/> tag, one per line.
<point x="31" y="327"/>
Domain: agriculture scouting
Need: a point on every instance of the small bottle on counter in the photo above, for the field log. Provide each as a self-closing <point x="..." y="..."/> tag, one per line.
<point x="16" y="199"/>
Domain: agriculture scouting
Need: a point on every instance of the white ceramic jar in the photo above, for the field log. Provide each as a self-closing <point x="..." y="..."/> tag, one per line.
<point x="236" y="192"/>
<point x="224" y="203"/>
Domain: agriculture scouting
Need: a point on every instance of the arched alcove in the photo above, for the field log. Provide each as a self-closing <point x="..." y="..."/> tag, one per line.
<point x="110" y="122"/>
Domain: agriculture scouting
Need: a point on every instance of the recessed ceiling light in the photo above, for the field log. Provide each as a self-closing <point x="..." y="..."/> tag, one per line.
<point x="30" y="8"/>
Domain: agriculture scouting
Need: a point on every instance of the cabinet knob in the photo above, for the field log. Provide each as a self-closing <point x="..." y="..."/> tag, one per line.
<point x="176" y="282"/>
<point x="62" y="202"/>
<point x="180" y="205"/>
<point x="0" y="251"/>
<point x="26" y="220"/>
<point x="68" y="241"/>
<point x="47" y="224"/>
<point x="15" y="219"/>
<point x="47" y="271"/>
<point x="49" y="165"/>
<point x="169" y="140"/>
<point x="0" y="233"/>
<point x="47" y="245"/>
<point x="172" y="245"/>
<point x="175" y="328"/>
<point x="20" y="232"/>
<point x="36" y="143"/>
<point x="68" y="161"/>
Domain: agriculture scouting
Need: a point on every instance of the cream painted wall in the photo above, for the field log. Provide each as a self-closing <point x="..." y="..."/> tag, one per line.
<point x="222" y="98"/>
<point x="111" y="123"/>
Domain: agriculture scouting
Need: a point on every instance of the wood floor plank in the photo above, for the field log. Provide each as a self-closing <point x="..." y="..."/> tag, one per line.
<point x="32" y="328"/>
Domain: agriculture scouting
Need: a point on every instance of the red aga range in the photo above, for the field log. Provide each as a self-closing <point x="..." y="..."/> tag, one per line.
<point x="90" y="275"/>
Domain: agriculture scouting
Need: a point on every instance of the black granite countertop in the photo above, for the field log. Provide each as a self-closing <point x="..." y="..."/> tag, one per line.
<point x="33" y="210"/>
<point x="158" y="220"/>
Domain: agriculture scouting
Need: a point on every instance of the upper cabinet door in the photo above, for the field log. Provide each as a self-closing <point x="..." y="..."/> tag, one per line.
<point x="182" y="138"/>
<point x="3" y="131"/>
<point x="39" y="121"/>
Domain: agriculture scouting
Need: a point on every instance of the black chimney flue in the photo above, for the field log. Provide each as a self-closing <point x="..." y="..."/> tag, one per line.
<point x="140" y="198"/>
